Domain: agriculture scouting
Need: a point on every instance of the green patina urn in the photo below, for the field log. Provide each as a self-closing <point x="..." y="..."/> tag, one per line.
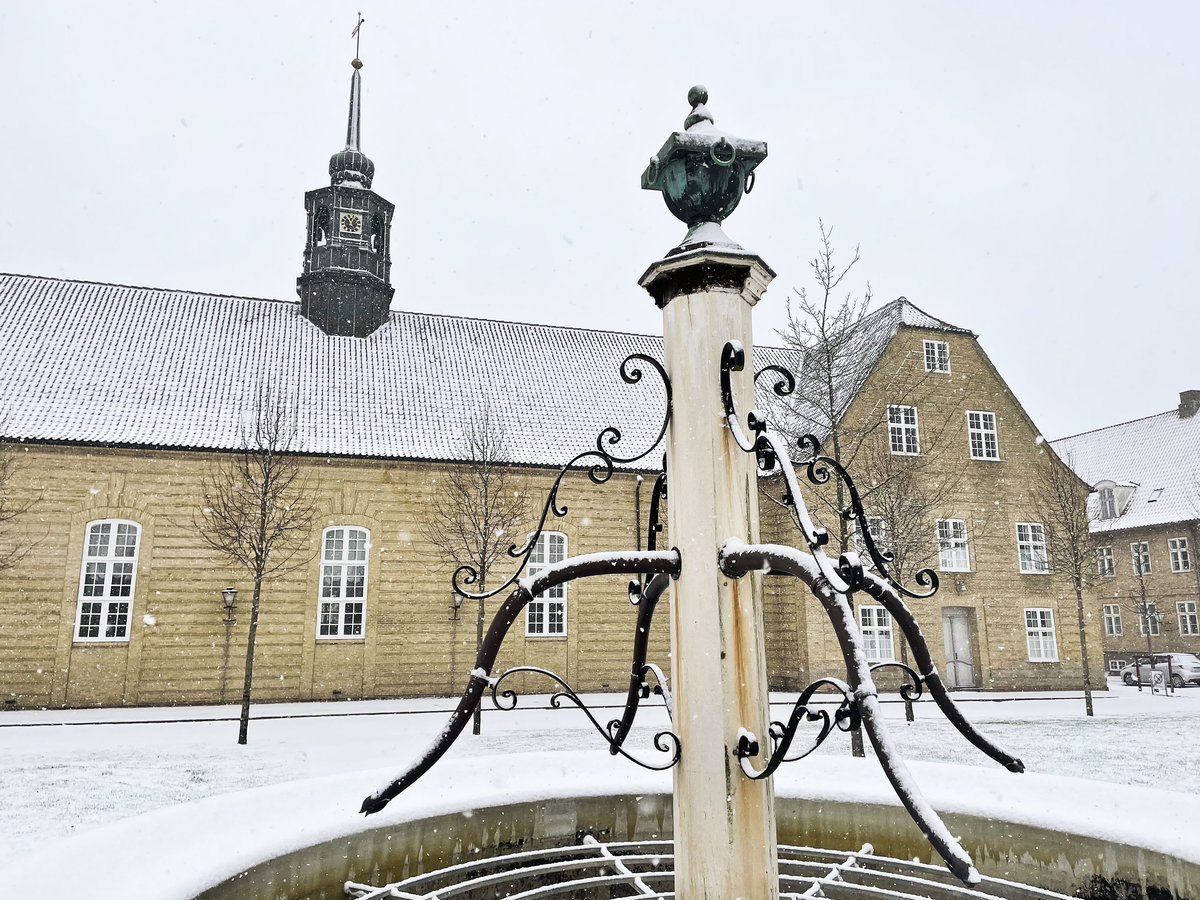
<point x="702" y="172"/>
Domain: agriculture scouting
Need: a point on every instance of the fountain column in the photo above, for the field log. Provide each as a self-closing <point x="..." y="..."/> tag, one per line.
<point x="725" y="844"/>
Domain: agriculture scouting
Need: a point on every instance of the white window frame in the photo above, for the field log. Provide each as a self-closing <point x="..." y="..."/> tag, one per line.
<point x="937" y="356"/>
<point x="1108" y="503"/>
<point x="1031" y="549"/>
<point x="983" y="435"/>
<point x="1116" y="665"/>
<point x="1151" y="618"/>
<point x="1181" y="555"/>
<point x="904" y="430"/>
<point x="954" y="551"/>
<point x="875" y="624"/>
<point x="546" y="614"/>
<point x="106" y="601"/>
<point x="1139" y="551"/>
<point x="1039" y="631"/>
<point x="1189" y="623"/>
<point x="1113" y="627"/>
<point x="342" y="592"/>
<point x="1105" y="565"/>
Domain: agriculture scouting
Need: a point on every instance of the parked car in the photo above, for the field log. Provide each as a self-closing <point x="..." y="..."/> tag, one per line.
<point x="1184" y="668"/>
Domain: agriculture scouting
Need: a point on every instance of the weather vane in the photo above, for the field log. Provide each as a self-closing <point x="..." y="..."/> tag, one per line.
<point x="357" y="35"/>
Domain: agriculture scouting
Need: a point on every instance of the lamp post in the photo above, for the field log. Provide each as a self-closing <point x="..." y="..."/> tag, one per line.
<point x="229" y="600"/>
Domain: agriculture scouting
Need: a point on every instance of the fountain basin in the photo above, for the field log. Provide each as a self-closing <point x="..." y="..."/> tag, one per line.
<point x="304" y="839"/>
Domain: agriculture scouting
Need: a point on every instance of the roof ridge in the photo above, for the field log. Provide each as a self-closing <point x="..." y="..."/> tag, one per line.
<point x="391" y="312"/>
<point x="1167" y="412"/>
<point x="142" y="287"/>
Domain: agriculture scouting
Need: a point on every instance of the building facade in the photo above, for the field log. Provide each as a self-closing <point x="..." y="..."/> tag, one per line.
<point x="1145" y="520"/>
<point x="120" y="401"/>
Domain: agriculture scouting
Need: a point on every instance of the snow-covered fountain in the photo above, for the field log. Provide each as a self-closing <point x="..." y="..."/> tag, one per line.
<point x="709" y="810"/>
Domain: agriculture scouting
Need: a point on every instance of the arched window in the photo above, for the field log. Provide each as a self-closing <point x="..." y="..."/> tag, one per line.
<point x="343" y="598"/>
<point x="546" y="614"/>
<point x="106" y="581"/>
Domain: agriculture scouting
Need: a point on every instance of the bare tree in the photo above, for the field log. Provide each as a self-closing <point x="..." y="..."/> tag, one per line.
<point x="12" y="549"/>
<point x="479" y="511"/>
<point x="1138" y="602"/>
<point x="832" y="329"/>
<point x="1060" y="503"/>
<point x="258" y="509"/>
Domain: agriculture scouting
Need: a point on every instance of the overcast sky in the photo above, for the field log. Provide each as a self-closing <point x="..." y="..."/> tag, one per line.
<point x="1026" y="170"/>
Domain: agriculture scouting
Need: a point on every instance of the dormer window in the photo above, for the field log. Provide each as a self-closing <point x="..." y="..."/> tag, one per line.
<point x="1108" y="503"/>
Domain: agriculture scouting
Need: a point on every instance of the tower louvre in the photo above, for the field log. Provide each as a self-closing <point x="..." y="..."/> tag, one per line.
<point x="345" y="288"/>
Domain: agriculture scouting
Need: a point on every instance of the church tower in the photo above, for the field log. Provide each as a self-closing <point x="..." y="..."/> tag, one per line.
<point x="346" y="286"/>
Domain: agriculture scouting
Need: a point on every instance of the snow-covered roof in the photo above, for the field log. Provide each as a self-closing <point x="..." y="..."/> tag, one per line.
<point x="1158" y="452"/>
<point x="111" y="364"/>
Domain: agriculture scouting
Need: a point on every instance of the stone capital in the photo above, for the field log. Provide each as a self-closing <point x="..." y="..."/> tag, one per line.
<point x="707" y="269"/>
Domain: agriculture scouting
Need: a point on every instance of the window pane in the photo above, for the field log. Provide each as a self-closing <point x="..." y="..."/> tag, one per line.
<point x="334" y="540"/>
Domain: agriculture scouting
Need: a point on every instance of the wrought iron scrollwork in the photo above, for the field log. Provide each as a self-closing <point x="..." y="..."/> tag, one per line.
<point x="912" y="688"/>
<point x="847" y="575"/>
<point x="648" y="562"/>
<point x="599" y="463"/>
<point x="664" y="741"/>
<point x="786" y="384"/>
<point x="611" y="436"/>
<point x="845" y="718"/>
<point x="819" y="472"/>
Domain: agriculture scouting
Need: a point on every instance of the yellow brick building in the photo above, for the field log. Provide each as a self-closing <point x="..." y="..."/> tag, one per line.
<point x="120" y="399"/>
<point x="1145" y="521"/>
<point x="117" y="401"/>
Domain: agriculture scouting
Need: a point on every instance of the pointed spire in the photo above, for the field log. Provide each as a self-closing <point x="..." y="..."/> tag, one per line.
<point x="351" y="167"/>
<point x="355" y="107"/>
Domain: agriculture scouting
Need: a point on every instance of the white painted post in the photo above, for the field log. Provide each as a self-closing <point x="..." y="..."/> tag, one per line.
<point x="725" y="844"/>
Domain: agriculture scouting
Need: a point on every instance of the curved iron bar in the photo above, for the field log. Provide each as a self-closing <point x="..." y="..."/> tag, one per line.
<point x="653" y="521"/>
<point x="733" y="359"/>
<point x="599" y="470"/>
<point x="845" y="718"/>
<point x="841" y="616"/>
<point x="771" y="450"/>
<point x="880" y="590"/>
<point x="911" y="689"/>
<point x="819" y="473"/>
<point x="618" y="729"/>
<point x="632" y="375"/>
<point x="648" y="562"/>
<point x="782" y="388"/>
<point x="600" y="465"/>
<point x="737" y="558"/>
<point x="664" y="741"/>
<point x="662" y="688"/>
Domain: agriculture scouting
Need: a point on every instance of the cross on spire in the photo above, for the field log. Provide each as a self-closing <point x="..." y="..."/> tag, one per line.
<point x="357" y="35"/>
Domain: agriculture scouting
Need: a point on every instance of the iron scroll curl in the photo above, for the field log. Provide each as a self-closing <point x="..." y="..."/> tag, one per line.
<point x="820" y="470"/>
<point x="665" y="741"/>
<point x="600" y="464"/>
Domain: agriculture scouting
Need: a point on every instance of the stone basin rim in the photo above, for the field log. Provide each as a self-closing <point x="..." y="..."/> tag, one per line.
<point x="178" y="852"/>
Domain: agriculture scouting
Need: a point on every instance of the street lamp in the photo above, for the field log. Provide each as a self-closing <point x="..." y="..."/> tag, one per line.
<point x="456" y="601"/>
<point x="229" y="598"/>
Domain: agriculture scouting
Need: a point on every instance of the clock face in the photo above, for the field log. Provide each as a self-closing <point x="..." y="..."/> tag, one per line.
<point x="350" y="223"/>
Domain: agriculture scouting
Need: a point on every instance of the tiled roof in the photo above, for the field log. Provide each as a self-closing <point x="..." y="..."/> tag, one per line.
<point x="1160" y="451"/>
<point x="132" y="366"/>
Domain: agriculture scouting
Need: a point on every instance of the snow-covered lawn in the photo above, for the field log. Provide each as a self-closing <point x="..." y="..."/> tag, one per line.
<point x="67" y="771"/>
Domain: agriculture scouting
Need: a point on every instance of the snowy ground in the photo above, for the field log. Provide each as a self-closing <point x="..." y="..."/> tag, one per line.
<point x="67" y="771"/>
